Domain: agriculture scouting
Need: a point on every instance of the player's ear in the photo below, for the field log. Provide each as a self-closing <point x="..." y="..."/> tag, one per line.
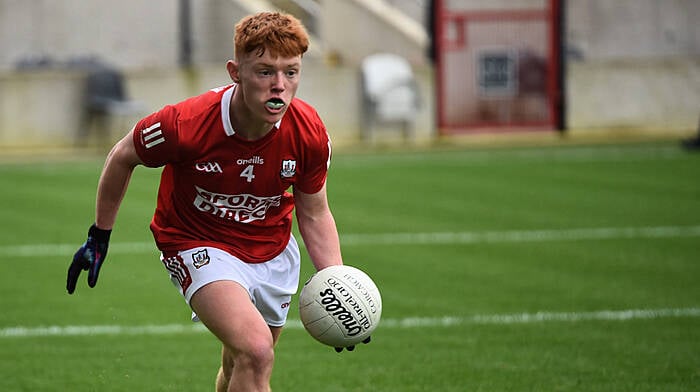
<point x="233" y="71"/>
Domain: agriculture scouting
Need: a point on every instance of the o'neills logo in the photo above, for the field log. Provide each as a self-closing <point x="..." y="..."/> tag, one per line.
<point x="335" y="308"/>
<point x="255" y="160"/>
<point x="353" y="318"/>
<point x="243" y="208"/>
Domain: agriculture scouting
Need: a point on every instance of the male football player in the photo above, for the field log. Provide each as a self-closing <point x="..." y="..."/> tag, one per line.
<point x="223" y="217"/>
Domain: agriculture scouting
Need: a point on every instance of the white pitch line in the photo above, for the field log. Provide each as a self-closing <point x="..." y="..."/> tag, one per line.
<point x="584" y="234"/>
<point x="404" y="323"/>
<point x="435" y="238"/>
<point x="540" y="317"/>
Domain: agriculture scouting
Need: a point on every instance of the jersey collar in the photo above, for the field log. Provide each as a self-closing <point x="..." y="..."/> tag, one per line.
<point x="226" y="113"/>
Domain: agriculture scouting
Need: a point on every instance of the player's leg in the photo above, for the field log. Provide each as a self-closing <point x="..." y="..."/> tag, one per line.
<point x="223" y="378"/>
<point x="278" y="280"/>
<point x="227" y="311"/>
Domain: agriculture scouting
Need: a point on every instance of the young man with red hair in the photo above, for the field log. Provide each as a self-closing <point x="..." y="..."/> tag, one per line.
<point x="223" y="218"/>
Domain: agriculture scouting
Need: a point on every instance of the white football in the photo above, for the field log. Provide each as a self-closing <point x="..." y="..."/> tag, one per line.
<point x="340" y="306"/>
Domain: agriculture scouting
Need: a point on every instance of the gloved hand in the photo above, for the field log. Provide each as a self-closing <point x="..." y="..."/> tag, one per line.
<point x="89" y="257"/>
<point x="350" y="348"/>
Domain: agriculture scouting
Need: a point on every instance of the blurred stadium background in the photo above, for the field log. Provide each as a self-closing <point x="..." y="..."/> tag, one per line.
<point x="596" y="68"/>
<point x="538" y="232"/>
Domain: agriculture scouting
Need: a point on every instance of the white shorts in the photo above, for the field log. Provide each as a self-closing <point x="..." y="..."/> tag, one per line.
<point x="270" y="284"/>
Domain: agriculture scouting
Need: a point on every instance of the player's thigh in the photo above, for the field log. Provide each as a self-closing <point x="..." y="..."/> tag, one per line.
<point x="227" y="311"/>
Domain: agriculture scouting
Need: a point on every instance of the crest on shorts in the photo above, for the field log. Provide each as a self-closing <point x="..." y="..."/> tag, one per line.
<point x="289" y="168"/>
<point x="200" y="258"/>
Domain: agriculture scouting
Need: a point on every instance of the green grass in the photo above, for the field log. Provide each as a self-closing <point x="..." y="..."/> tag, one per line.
<point x="474" y="192"/>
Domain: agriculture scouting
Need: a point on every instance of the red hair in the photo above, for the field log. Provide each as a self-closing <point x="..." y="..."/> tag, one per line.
<point x="281" y="34"/>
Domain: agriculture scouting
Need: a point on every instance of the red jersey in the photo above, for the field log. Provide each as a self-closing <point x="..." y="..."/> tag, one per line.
<point x="218" y="189"/>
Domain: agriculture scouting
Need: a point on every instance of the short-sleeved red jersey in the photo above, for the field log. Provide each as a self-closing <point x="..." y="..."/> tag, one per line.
<point x="218" y="189"/>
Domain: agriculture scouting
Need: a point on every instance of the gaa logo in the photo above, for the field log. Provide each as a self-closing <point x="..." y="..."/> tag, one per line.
<point x="208" y="167"/>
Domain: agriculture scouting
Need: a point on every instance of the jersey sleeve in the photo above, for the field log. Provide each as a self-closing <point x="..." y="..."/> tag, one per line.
<point x="156" y="137"/>
<point x="317" y="157"/>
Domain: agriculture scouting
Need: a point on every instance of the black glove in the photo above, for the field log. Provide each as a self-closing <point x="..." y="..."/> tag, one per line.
<point x="350" y="348"/>
<point x="89" y="257"/>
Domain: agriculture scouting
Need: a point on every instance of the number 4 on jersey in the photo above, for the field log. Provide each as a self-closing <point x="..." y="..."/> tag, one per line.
<point x="247" y="173"/>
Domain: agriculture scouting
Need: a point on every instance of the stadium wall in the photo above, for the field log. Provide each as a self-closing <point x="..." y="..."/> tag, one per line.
<point x="632" y="64"/>
<point x="43" y="108"/>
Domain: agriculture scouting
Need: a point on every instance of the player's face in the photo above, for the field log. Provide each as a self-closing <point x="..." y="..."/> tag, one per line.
<point x="268" y="84"/>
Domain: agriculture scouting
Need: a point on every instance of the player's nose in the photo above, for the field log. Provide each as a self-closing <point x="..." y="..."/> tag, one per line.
<point x="278" y="81"/>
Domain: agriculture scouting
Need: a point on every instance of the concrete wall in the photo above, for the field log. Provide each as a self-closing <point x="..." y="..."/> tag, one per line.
<point x="43" y="108"/>
<point x="660" y="95"/>
<point x="130" y="34"/>
<point x="39" y="108"/>
<point x="632" y="63"/>
<point x="632" y="29"/>
<point x="125" y="33"/>
<point x="136" y="35"/>
<point x="354" y="29"/>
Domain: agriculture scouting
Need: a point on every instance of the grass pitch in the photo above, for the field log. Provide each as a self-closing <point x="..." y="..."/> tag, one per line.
<point x="510" y="269"/>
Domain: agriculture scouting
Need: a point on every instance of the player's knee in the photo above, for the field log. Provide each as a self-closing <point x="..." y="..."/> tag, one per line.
<point x="257" y="358"/>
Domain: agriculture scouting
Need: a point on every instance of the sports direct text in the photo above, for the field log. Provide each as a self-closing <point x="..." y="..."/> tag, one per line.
<point x="242" y="208"/>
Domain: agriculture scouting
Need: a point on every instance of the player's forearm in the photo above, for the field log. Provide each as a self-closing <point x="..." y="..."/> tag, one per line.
<point x="113" y="183"/>
<point x="321" y="240"/>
